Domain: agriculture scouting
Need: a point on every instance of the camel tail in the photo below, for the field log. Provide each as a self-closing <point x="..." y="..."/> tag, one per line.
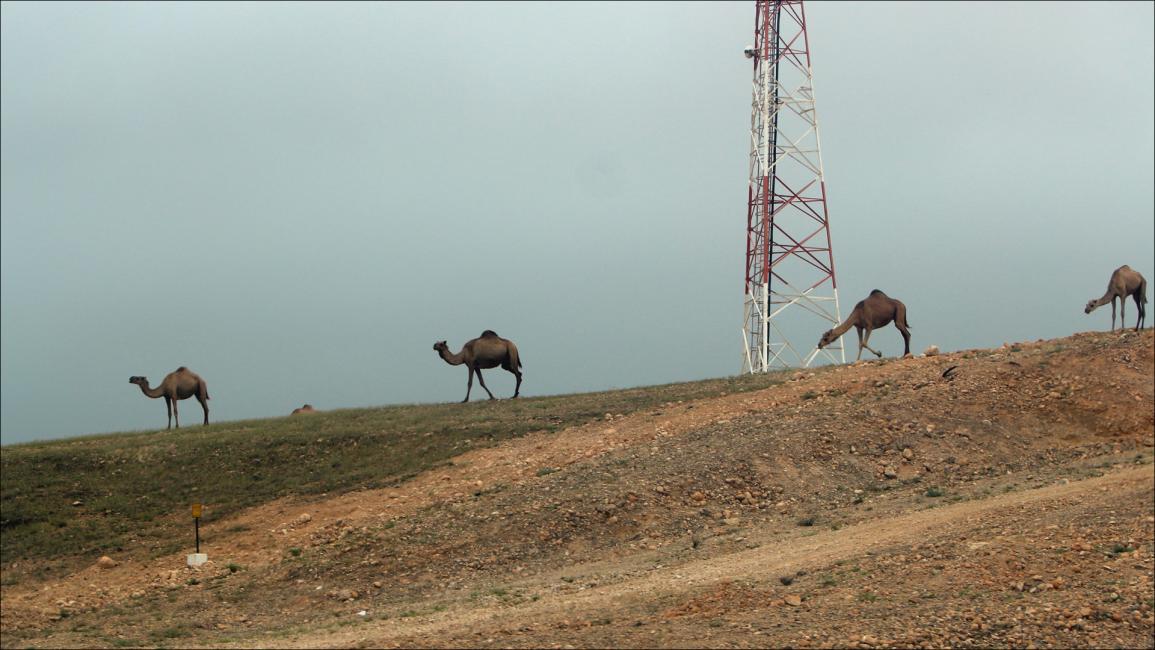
<point x="204" y="391"/>
<point x="1143" y="290"/>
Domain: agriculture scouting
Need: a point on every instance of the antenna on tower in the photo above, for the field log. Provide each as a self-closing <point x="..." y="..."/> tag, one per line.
<point x="791" y="296"/>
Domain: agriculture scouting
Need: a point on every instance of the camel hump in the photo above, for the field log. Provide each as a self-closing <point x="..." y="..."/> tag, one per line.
<point x="489" y="334"/>
<point x="877" y="292"/>
<point x="181" y="369"/>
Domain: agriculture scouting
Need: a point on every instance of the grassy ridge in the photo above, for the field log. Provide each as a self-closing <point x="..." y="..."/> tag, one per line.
<point x="67" y="501"/>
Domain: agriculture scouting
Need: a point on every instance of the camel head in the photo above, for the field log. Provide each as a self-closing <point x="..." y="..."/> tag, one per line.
<point x="441" y="346"/>
<point x="1090" y="307"/>
<point x="140" y="381"/>
<point x="827" y="338"/>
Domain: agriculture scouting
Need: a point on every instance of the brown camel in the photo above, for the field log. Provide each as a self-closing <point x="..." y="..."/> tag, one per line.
<point x="487" y="351"/>
<point x="181" y="383"/>
<point x="308" y="408"/>
<point x="1125" y="282"/>
<point x="877" y="311"/>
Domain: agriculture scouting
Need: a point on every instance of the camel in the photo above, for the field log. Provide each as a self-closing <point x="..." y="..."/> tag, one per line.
<point x="308" y="408"/>
<point x="487" y="351"/>
<point x="1124" y="282"/>
<point x="878" y="310"/>
<point x="179" y="384"/>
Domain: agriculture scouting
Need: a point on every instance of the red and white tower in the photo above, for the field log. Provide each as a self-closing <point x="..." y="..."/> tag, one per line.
<point x="791" y="293"/>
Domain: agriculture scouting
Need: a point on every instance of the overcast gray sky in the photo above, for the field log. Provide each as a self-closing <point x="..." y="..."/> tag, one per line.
<point x="296" y="200"/>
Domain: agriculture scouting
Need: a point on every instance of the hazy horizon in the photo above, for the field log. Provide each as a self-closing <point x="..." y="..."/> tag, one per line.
<point x="296" y="200"/>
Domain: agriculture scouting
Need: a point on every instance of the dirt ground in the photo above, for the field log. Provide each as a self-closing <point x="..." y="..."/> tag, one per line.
<point x="980" y="498"/>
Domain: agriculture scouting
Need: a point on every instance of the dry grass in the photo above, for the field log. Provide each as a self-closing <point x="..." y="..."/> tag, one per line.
<point x="69" y="500"/>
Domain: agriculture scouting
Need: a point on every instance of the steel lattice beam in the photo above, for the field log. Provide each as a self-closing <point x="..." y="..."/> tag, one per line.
<point x="790" y="286"/>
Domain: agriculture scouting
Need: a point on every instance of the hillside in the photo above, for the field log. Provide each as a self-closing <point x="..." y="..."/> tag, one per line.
<point x="979" y="498"/>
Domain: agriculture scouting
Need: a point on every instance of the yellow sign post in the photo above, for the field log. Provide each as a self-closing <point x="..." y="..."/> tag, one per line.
<point x="196" y="512"/>
<point x="198" y="558"/>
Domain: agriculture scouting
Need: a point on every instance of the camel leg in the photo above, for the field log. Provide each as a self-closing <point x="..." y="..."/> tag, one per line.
<point x="859" y="357"/>
<point x="175" y="413"/>
<point x="1142" y="313"/>
<point x="205" y="406"/>
<point x="516" y="373"/>
<point x="1112" y="314"/>
<point x="168" y="410"/>
<point x="865" y="344"/>
<point x="469" y="386"/>
<point x="482" y="380"/>
<point x="905" y="340"/>
<point x="1122" y="315"/>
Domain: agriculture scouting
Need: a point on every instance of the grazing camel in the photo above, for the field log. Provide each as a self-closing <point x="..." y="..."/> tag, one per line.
<point x="179" y="384"/>
<point x="487" y="351"/>
<point x="308" y="408"/>
<point x="878" y="310"/>
<point x="1124" y="282"/>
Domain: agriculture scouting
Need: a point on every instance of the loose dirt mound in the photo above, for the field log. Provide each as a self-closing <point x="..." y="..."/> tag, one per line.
<point x="990" y="497"/>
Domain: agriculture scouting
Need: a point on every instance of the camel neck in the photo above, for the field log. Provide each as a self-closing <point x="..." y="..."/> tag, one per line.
<point x="150" y="392"/>
<point x="1107" y="297"/>
<point x="452" y="359"/>
<point x="846" y="325"/>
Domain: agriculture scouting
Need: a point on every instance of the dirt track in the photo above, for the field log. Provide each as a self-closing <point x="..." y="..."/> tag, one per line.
<point x="982" y="522"/>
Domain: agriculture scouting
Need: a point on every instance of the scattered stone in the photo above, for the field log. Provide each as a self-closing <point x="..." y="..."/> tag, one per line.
<point x="889" y="472"/>
<point x="931" y="351"/>
<point x="344" y="594"/>
<point x="304" y="518"/>
<point x="786" y="580"/>
<point x="794" y="600"/>
<point x="908" y="453"/>
<point x="106" y="562"/>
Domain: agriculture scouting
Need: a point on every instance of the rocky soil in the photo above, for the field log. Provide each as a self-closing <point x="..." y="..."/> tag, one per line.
<point x="978" y="498"/>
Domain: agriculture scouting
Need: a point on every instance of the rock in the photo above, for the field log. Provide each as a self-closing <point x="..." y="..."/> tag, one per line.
<point x="786" y="580"/>
<point x="931" y="351"/>
<point x="698" y="495"/>
<point x="794" y="600"/>
<point x="344" y="594"/>
<point x="908" y="453"/>
<point x="890" y="473"/>
<point x="304" y="518"/>
<point x="106" y="562"/>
